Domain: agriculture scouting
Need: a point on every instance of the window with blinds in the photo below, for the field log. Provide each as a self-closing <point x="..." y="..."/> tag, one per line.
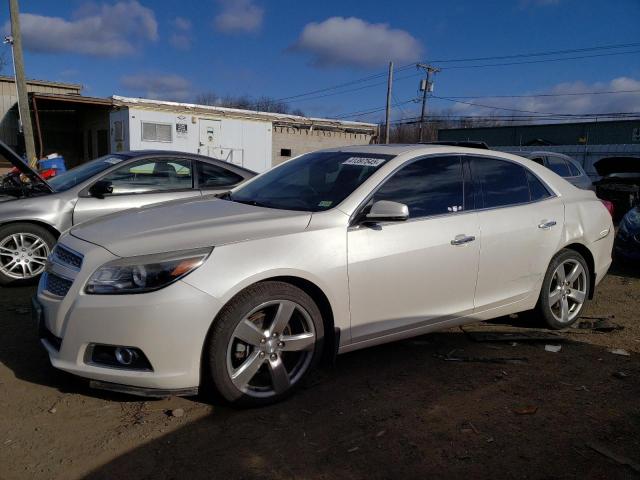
<point x="156" y="132"/>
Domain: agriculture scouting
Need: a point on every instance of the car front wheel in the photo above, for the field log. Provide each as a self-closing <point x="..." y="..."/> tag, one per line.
<point x="24" y="249"/>
<point x="263" y="343"/>
<point x="565" y="289"/>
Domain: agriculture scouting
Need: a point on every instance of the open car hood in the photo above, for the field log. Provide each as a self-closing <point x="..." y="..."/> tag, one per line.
<point x="13" y="158"/>
<point x="608" y="166"/>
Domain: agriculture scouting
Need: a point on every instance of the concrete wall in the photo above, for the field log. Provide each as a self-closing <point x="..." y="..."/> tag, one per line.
<point x="303" y="140"/>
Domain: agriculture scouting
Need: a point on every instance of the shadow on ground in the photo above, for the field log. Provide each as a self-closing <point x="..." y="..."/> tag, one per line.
<point x="401" y="411"/>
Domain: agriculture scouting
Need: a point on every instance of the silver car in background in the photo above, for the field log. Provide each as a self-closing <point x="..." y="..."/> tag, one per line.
<point x="563" y="165"/>
<point x="33" y="211"/>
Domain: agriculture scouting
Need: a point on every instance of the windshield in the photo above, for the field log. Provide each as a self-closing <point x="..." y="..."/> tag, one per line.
<point x="313" y="182"/>
<point x="79" y="174"/>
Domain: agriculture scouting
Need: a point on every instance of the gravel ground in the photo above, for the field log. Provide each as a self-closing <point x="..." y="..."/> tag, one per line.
<point x="405" y="409"/>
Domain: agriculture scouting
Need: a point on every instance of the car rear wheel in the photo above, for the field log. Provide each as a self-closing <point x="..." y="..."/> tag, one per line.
<point x="263" y="343"/>
<point x="24" y="249"/>
<point x="565" y="290"/>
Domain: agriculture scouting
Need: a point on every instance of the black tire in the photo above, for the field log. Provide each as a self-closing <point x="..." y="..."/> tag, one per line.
<point x="543" y="308"/>
<point x="219" y="348"/>
<point x="30" y="229"/>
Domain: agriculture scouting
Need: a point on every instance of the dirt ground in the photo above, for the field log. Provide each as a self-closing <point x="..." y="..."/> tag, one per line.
<point x="403" y="410"/>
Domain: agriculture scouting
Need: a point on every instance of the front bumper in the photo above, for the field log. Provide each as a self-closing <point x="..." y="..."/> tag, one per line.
<point x="169" y="326"/>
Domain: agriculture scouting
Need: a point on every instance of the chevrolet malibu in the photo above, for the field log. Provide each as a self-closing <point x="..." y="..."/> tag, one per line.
<point x="327" y="253"/>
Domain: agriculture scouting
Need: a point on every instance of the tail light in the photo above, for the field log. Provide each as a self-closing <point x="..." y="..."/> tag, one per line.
<point x="609" y="206"/>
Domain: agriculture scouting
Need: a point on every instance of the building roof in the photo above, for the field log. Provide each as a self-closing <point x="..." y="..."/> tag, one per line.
<point x="44" y="83"/>
<point x="276" y="118"/>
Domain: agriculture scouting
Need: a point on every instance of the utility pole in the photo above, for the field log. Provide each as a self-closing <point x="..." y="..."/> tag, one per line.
<point x="426" y="85"/>
<point x="387" y="125"/>
<point x="15" y="39"/>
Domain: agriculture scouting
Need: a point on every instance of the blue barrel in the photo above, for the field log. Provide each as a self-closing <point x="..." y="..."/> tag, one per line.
<point x="56" y="163"/>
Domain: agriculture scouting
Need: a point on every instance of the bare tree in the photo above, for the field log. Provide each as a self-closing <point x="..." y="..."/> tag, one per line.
<point x="245" y="102"/>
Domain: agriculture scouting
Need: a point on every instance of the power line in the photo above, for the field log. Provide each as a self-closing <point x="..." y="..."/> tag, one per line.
<point x="539" y="54"/>
<point x="610" y="92"/>
<point x="540" y="61"/>
<point x="459" y="60"/>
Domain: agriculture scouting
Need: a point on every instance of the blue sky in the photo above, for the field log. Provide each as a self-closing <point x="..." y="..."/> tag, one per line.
<point x="280" y="48"/>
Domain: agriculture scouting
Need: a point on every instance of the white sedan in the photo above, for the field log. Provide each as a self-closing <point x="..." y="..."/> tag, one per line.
<point x="327" y="253"/>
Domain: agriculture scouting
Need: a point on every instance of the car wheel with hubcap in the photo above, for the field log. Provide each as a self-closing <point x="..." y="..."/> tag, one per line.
<point x="263" y="343"/>
<point x="24" y="249"/>
<point x="565" y="289"/>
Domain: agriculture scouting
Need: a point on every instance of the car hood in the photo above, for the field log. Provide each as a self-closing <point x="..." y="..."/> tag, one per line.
<point x="185" y="224"/>
<point x="13" y="158"/>
<point x="608" y="166"/>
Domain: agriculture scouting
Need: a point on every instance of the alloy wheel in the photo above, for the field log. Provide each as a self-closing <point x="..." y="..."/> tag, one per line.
<point x="23" y="255"/>
<point x="271" y="348"/>
<point x="568" y="290"/>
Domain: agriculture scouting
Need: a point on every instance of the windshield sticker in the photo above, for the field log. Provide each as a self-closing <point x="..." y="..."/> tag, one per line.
<point x="325" y="203"/>
<point x="113" y="161"/>
<point x="364" y="161"/>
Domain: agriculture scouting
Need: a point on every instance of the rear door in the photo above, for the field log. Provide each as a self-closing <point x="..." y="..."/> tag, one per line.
<point x="139" y="183"/>
<point x="521" y="223"/>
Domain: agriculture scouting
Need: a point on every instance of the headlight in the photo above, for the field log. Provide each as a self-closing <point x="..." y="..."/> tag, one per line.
<point x="144" y="273"/>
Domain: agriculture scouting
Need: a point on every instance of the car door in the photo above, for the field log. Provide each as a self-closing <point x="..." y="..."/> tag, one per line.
<point x="410" y="274"/>
<point x="520" y="222"/>
<point x="139" y="183"/>
<point x="214" y="178"/>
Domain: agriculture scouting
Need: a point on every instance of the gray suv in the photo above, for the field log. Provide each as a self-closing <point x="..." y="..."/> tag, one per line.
<point x="34" y="211"/>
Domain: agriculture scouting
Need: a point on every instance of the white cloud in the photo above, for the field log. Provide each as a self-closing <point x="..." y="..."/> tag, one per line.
<point x="238" y="16"/>
<point x="569" y="104"/>
<point x="155" y="86"/>
<point x="180" y="39"/>
<point x="354" y="42"/>
<point x="106" y="30"/>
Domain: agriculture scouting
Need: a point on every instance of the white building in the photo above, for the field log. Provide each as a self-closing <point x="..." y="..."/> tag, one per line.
<point x="82" y="128"/>
<point x="255" y="140"/>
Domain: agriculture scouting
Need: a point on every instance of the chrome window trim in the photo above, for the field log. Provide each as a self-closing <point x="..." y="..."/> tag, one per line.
<point x="357" y="211"/>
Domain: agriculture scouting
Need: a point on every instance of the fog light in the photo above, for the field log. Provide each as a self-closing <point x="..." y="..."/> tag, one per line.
<point x="125" y="356"/>
<point x="116" y="356"/>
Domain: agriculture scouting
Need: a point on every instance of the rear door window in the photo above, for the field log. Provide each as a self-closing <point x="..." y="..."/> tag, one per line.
<point x="537" y="189"/>
<point x="502" y="183"/>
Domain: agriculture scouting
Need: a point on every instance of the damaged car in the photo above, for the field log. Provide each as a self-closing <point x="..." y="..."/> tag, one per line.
<point x="34" y="211"/>
<point x="619" y="182"/>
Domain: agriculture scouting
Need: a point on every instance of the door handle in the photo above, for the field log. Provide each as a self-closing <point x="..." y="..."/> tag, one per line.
<point x="546" y="225"/>
<point x="462" y="239"/>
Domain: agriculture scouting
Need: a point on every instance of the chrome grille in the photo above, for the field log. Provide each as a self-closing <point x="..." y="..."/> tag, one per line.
<point x="68" y="257"/>
<point x="57" y="285"/>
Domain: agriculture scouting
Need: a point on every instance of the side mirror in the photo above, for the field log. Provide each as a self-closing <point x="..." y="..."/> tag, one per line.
<point x="100" y="189"/>
<point x="387" y="211"/>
